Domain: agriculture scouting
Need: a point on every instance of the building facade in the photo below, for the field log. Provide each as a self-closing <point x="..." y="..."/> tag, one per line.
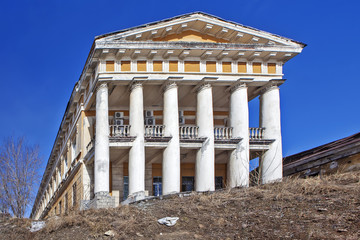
<point x="163" y="108"/>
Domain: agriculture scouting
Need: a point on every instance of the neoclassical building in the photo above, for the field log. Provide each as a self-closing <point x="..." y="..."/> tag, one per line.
<point x="163" y="108"/>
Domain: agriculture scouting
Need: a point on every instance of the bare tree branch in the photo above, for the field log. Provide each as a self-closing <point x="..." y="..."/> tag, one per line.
<point x="19" y="175"/>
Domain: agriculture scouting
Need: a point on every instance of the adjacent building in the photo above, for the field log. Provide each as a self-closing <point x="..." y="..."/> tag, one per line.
<point x="163" y="108"/>
<point x="338" y="156"/>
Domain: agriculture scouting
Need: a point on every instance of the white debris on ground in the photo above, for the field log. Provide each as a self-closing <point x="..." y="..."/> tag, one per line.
<point x="168" y="221"/>
<point x="36" y="226"/>
<point x="110" y="233"/>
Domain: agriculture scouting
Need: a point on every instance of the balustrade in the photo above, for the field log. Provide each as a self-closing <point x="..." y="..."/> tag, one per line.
<point x="222" y="133"/>
<point x="188" y="132"/>
<point x="256" y="133"/>
<point x="119" y="130"/>
<point x="154" y="130"/>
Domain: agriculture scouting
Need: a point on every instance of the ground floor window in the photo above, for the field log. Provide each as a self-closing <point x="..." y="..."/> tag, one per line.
<point x="187" y="184"/>
<point x="219" y="183"/>
<point x="157" y="186"/>
<point x="74" y="194"/>
<point x="66" y="203"/>
<point x="126" y="187"/>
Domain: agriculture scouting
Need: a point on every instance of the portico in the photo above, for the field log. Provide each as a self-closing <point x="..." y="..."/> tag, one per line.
<point x="169" y="146"/>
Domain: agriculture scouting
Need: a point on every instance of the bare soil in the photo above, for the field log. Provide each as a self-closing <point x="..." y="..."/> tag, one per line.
<point x="315" y="208"/>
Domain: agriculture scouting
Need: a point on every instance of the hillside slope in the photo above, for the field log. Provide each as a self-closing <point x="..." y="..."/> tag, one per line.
<point x="316" y="208"/>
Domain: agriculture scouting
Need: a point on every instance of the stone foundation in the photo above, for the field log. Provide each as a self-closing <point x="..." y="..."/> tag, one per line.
<point x="102" y="200"/>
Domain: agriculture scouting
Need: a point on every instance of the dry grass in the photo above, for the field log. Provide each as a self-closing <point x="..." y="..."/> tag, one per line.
<point x="316" y="208"/>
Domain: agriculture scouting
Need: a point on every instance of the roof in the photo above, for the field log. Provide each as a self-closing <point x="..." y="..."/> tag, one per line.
<point x="347" y="146"/>
<point x="189" y="15"/>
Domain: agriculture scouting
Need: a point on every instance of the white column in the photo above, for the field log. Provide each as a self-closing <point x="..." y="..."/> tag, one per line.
<point x="271" y="160"/>
<point x="238" y="166"/>
<point x="171" y="155"/>
<point x="205" y="157"/>
<point x="101" y="163"/>
<point x="137" y="151"/>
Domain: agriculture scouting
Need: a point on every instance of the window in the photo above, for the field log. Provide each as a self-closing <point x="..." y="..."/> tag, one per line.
<point x="126" y="187"/>
<point x="65" y="166"/>
<point x="110" y="66"/>
<point x="58" y="175"/>
<point x="173" y="66"/>
<point x="219" y="182"/>
<point x="74" y="194"/>
<point x="226" y="67"/>
<point x="192" y="66"/>
<point x="211" y="66"/>
<point x="256" y="67"/>
<point x="141" y="66"/>
<point x="60" y="207"/>
<point x="242" y="67"/>
<point x="73" y="149"/>
<point x="187" y="184"/>
<point x="157" y="186"/>
<point x="125" y="66"/>
<point x="271" y="68"/>
<point x="157" y="66"/>
<point x="66" y="203"/>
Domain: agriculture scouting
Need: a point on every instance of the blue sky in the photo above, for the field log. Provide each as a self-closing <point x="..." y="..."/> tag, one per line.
<point x="45" y="45"/>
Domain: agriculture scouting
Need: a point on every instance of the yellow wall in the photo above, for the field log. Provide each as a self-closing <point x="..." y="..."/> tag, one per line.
<point x="69" y="190"/>
<point x="190" y="36"/>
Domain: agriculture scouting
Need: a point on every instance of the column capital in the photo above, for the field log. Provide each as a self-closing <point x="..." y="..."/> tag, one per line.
<point x="134" y="85"/>
<point x="202" y="86"/>
<point x="101" y="85"/>
<point x="238" y="86"/>
<point x="272" y="84"/>
<point x="169" y="85"/>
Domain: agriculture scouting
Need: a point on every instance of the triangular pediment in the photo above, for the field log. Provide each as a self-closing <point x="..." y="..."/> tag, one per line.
<point x="190" y="36"/>
<point x="198" y="27"/>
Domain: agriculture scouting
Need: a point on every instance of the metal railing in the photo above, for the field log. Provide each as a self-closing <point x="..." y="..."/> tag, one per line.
<point x="188" y="132"/>
<point x="154" y="130"/>
<point x="222" y="133"/>
<point x="256" y="133"/>
<point x="120" y="130"/>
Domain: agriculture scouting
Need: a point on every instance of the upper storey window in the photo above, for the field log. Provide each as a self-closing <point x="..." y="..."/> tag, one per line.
<point x="271" y="68"/>
<point x="125" y="66"/>
<point x="211" y="66"/>
<point x="110" y="66"/>
<point x="173" y="66"/>
<point x="256" y="67"/>
<point x="192" y="66"/>
<point x="157" y="66"/>
<point x="242" y="67"/>
<point x="141" y="66"/>
<point x="226" y="67"/>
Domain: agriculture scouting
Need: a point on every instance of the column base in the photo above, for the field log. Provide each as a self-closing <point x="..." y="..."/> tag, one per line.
<point x="137" y="196"/>
<point x="102" y="200"/>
